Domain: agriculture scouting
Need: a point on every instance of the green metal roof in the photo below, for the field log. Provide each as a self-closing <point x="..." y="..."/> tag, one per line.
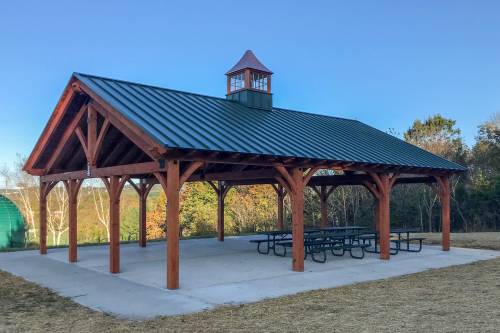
<point x="11" y="224"/>
<point x="185" y="120"/>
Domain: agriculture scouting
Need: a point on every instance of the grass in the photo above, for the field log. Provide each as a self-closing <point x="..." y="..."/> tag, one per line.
<point x="459" y="298"/>
<point x="476" y="240"/>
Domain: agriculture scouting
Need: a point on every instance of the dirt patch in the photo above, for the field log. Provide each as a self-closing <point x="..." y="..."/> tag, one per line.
<point x="460" y="298"/>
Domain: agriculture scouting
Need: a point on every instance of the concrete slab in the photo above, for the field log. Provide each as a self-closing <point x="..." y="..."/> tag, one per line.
<point x="212" y="273"/>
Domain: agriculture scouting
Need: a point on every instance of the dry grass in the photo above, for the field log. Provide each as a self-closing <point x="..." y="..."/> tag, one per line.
<point x="476" y="240"/>
<point x="459" y="298"/>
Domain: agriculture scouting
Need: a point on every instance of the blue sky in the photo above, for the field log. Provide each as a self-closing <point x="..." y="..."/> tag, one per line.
<point x="385" y="63"/>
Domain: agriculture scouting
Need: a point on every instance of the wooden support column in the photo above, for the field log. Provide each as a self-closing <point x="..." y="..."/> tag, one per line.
<point x="324" y="193"/>
<point x="220" y="213"/>
<point x="381" y="189"/>
<point x="114" y="186"/>
<point x="297" y="199"/>
<point x="294" y="181"/>
<point x="45" y="188"/>
<point x="444" y="195"/>
<point x="384" y="220"/>
<point x="173" y="188"/>
<point x="142" y="191"/>
<point x="375" y="216"/>
<point x="221" y="190"/>
<point x="280" y="197"/>
<point x="171" y="183"/>
<point x="72" y="188"/>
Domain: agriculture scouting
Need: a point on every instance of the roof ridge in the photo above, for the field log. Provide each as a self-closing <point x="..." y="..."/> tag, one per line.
<point x="151" y="86"/>
<point x="203" y="95"/>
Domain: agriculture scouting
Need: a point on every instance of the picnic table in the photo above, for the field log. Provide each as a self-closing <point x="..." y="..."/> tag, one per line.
<point x="407" y="240"/>
<point x="274" y="236"/>
<point x="315" y="241"/>
<point x="353" y="229"/>
<point x="374" y="236"/>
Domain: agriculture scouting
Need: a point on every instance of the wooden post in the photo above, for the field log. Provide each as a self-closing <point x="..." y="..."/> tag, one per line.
<point x="384" y="220"/>
<point x="142" y="191"/>
<point x="381" y="190"/>
<point x="220" y="212"/>
<point x="324" y="193"/>
<point x="114" y="186"/>
<point x="444" y="194"/>
<point x="171" y="184"/>
<point x="221" y="190"/>
<point x="173" y="224"/>
<point x="45" y="188"/>
<point x="142" y="219"/>
<point x="43" y="218"/>
<point x="297" y="199"/>
<point x="72" y="188"/>
<point x="323" y="207"/>
<point x="114" y="225"/>
<point x="294" y="182"/>
<point x="280" y="196"/>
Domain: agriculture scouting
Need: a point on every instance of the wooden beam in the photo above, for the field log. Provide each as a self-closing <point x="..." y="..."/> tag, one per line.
<point x="55" y="119"/>
<point x="358" y="179"/>
<point x="119" y="170"/>
<point x="83" y="141"/>
<point x="234" y="175"/>
<point x="100" y="140"/>
<point x="129" y="129"/>
<point x="70" y="130"/>
<point x="192" y="167"/>
<point x="91" y="134"/>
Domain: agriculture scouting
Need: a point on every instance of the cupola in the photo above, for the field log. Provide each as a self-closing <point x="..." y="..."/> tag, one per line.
<point x="249" y="83"/>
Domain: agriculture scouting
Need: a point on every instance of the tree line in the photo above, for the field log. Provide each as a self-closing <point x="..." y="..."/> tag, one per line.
<point x="475" y="197"/>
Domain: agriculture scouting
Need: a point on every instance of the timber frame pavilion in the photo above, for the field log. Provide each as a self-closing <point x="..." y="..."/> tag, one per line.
<point x="123" y="132"/>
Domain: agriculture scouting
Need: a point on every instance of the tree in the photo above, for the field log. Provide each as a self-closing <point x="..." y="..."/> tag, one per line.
<point x="57" y="217"/>
<point x="486" y="151"/>
<point x="26" y="196"/>
<point x="101" y="205"/>
<point x="439" y="136"/>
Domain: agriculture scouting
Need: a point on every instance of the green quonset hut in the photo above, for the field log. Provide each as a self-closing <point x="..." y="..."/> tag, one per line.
<point x="11" y="224"/>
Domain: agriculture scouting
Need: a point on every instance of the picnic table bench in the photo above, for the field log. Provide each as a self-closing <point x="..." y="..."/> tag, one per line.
<point x="272" y="237"/>
<point x="396" y="240"/>
<point x="320" y="242"/>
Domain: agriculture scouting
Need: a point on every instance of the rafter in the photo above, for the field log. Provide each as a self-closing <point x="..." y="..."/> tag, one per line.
<point x="83" y="141"/>
<point x="65" y="137"/>
<point x="100" y="140"/>
<point x="193" y="166"/>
